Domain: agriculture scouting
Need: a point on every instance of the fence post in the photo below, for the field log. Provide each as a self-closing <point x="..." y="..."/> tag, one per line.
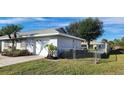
<point x="116" y="57"/>
<point x="74" y="54"/>
<point x="95" y="56"/>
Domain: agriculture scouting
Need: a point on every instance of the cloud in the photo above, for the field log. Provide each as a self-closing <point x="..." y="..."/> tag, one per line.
<point x="62" y="24"/>
<point x="113" y="26"/>
<point x="39" y="18"/>
<point x="12" y="20"/>
<point x="113" y="20"/>
<point x="20" y="20"/>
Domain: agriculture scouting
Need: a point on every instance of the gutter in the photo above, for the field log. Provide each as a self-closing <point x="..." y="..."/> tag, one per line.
<point x="43" y="35"/>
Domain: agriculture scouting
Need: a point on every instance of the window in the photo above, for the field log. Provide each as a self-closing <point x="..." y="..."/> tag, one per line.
<point x="83" y="45"/>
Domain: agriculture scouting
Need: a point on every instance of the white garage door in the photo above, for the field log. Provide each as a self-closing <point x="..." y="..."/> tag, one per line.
<point x="40" y="47"/>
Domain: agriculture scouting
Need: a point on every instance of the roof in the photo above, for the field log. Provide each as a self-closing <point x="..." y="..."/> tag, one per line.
<point x="42" y="33"/>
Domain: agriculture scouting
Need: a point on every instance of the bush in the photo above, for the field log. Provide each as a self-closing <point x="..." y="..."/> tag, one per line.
<point x="105" y="55"/>
<point x="15" y="53"/>
<point x="117" y="51"/>
<point x="24" y="53"/>
<point x="52" y="51"/>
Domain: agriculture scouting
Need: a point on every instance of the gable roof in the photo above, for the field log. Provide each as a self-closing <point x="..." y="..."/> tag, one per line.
<point x="42" y="33"/>
<point x="46" y="31"/>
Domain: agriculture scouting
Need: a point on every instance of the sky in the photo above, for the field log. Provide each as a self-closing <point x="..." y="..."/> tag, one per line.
<point x="113" y="26"/>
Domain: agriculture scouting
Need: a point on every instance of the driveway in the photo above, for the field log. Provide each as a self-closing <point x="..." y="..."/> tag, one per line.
<point x="5" y="61"/>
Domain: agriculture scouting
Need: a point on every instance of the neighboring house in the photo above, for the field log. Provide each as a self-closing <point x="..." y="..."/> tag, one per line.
<point x="35" y="41"/>
<point x="102" y="47"/>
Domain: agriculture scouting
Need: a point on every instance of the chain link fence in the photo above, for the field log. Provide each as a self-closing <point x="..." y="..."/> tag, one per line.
<point x="86" y="55"/>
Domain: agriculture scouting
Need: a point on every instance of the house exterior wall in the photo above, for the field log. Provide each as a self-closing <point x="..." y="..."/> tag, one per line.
<point x="37" y="45"/>
<point x="19" y="45"/>
<point x="5" y="44"/>
<point x="30" y="45"/>
<point x="22" y="44"/>
<point x="42" y="42"/>
<point x="65" y="43"/>
<point x="33" y="45"/>
<point x="2" y="46"/>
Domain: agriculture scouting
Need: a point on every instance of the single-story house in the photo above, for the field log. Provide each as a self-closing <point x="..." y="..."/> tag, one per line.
<point x="102" y="47"/>
<point x="35" y="41"/>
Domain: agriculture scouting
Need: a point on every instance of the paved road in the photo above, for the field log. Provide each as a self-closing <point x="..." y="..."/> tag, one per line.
<point x="5" y="61"/>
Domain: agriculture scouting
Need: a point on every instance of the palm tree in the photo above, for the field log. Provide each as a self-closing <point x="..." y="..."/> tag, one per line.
<point x="11" y="31"/>
<point x="51" y="50"/>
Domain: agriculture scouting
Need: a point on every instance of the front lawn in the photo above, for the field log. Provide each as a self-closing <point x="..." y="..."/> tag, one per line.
<point x="67" y="67"/>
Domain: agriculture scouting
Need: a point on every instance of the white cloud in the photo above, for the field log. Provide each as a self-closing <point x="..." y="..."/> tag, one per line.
<point x="19" y="20"/>
<point x="39" y="18"/>
<point x="116" y="30"/>
<point x="12" y="20"/>
<point x="113" y="20"/>
<point x="62" y="24"/>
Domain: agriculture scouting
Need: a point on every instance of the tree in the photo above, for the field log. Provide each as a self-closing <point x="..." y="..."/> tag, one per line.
<point x="104" y="40"/>
<point x="111" y="44"/>
<point x="121" y="43"/>
<point x="122" y="39"/>
<point x="11" y="31"/>
<point x="116" y="42"/>
<point x="89" y="29"/>
<point x="1" y="33"/>
<point x="73" y="29"/>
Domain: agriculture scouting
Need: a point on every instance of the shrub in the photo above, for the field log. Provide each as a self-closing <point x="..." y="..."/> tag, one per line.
<point x="117" y="51"/>
<point x="25" y="52"/>
<point x="5" y="51"/>
<point x="105" y="55"/>
<point x="52" y="51"/>
<point x="15" y="53"/>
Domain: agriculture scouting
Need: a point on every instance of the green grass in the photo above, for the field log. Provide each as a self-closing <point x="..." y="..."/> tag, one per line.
<point x="67" y="67"/>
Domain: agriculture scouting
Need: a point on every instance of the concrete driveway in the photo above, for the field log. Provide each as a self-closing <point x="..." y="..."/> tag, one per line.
<point x="5" y="61"/>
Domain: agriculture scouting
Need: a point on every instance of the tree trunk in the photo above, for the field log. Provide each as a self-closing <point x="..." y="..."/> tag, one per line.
<point x="13" y="47"/>
<point x="88" y="43"/>
<point x="13" y="42"/>
<point x="9" y="36"/>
